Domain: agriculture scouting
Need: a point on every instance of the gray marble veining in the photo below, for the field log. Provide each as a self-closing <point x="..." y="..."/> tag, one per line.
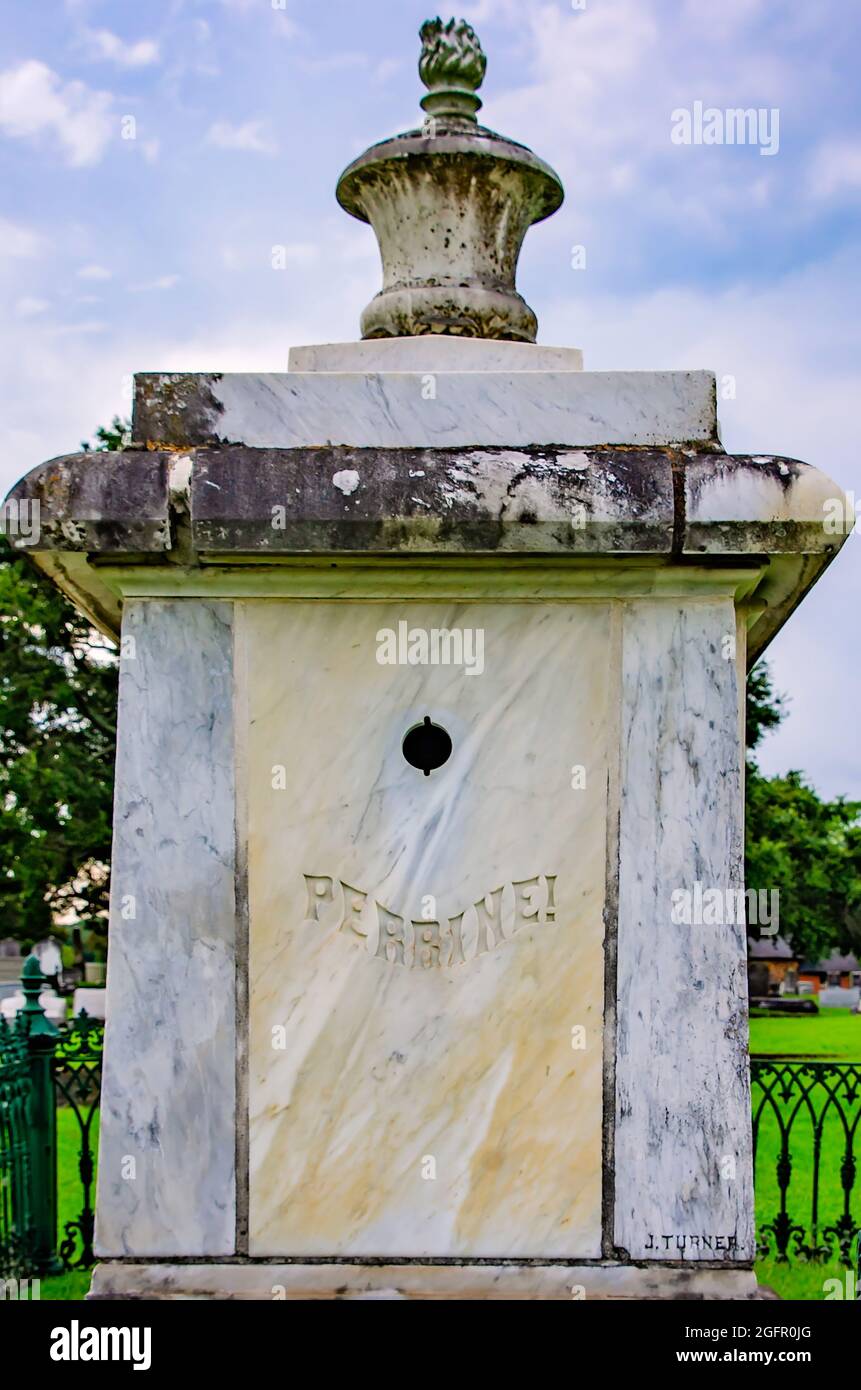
<point x="413" y="409"/>
<point x="683" y="1181"/>
<point x="166" y="1160"/>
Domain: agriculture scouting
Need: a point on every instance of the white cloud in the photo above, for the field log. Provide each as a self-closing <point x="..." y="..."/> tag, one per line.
<point x="162" y="282"/>
<point x="17" y="241"/>
<point x="836" y="169"/>
<point x="86" y="326"/>
<point x="27" y="308"/>
<point x="94" y="272"/>
<point x="35" y="102"/>
<point x="251" y="135"/>
<point x="103" y="44"/>
<point x="594" y="95"/>
<point x="285" y="26"/>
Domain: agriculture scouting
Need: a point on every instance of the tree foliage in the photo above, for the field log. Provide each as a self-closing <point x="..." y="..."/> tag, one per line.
<point x="58" y="689"/>
<point x="765" y="708"/>
<point x="806" y="847"/>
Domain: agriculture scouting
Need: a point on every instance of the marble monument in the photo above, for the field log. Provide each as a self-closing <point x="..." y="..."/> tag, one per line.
<point x="432" y="668"/>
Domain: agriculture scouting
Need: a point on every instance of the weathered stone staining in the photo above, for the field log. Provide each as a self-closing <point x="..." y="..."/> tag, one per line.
<point x="618" y="507"/>
<point x="424" y="410"/>
<point x="391" y="1022"/>
<point x="460" y="1280"/>
<point x="425" y="944"/>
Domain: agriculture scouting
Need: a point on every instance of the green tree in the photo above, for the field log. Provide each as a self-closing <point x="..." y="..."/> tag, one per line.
<point x="110" y="438"/>
<point x="58" y="689"/>
<point x="765" y="708"/>
<point x="807" y="848"/>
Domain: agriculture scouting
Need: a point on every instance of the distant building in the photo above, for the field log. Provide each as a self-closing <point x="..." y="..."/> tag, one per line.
<point x="842" y="972"/>
<point x="772" y="966"/>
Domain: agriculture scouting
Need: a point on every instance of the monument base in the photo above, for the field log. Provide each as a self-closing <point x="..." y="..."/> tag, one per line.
<point x="271" y="1282"/>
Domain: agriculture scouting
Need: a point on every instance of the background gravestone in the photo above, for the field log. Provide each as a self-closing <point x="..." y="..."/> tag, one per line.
<point x="431" y="716"/>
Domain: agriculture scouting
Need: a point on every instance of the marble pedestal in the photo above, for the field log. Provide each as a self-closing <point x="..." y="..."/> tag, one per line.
<point x="373" y="1033"/>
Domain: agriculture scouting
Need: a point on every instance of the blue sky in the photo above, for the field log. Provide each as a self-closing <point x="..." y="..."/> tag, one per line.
<point x="155" y="252"/>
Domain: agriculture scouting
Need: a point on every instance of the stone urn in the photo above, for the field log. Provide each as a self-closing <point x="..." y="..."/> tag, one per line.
<point x="450" y="204"/>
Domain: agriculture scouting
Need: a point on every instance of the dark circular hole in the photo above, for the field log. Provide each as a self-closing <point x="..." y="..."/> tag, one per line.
<point x="427" y="746"/>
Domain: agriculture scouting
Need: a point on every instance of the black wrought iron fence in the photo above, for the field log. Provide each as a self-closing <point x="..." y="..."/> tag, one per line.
<point x="806" y="1139"/>
<point x="16" y="1216"/>
<point x="77" y="1072"/>
<point x="47" y="1073"/>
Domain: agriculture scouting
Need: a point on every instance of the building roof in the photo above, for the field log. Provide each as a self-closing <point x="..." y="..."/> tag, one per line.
<point x="769" y="948"/>
<point x="833" y="965"/>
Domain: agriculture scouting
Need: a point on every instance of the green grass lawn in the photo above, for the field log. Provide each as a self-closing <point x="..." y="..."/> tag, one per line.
<point x="76" y="1284"/>
<point x="830" y="1035"/>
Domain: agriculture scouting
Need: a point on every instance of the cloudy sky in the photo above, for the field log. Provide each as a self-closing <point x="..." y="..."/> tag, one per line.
<point x="151" y="156"/>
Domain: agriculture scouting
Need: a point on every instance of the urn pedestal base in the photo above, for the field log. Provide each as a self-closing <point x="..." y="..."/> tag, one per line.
<point x="343" y="1280"/>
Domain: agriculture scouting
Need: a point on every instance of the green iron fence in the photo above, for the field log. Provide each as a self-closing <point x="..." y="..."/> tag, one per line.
<point x="16" y="1217"/>
<point x="77" y="1070"/>
<point x="807" y="1144"/>
<point x="806" y="1134"/>
<point x="44" y="1068"/>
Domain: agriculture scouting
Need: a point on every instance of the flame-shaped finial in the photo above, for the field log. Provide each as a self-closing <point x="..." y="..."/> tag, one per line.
<point x="452" y="67"/>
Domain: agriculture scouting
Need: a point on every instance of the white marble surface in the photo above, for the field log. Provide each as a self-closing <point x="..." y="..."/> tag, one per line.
<point x="683" y="1122"/>
<point x="384" y="1064"/>
<point x="447" y="409"/>
<point x="763" y="503"/>
<point x="434" y="352"/>
<point x="166" y="1151"/>
<point x="277" y="1282"/>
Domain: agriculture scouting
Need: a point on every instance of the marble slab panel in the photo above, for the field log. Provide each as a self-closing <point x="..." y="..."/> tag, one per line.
<point x="421" y="410"/>
<point x="166" y="1150"/>
<point x="683" y="1169"/>
<point x="416" y="1088"/>
<point x="763" y="503"/>
<point x="276" y="1283"/>
<point x="433" y="352"/>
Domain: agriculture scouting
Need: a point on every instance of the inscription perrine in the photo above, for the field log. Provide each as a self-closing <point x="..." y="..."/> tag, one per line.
<point x="426" y="945"/>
